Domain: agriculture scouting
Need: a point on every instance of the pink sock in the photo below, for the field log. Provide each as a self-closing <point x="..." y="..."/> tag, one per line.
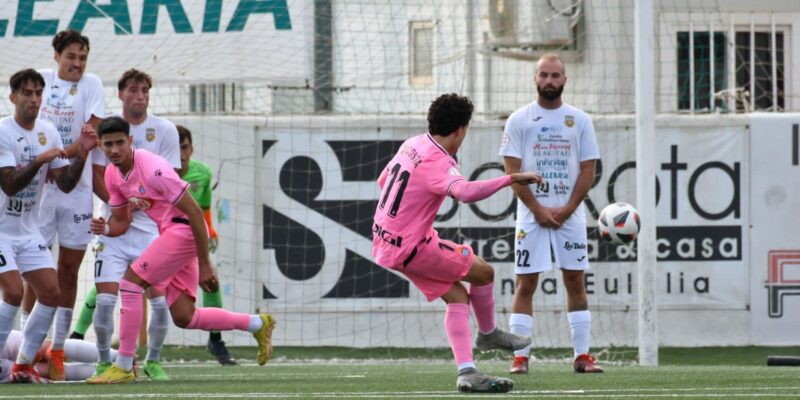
<point x="456" y="324"/>
<point x="482" y="299"/>
<point x="130" y="318"/>
<point x="218" y="319"/>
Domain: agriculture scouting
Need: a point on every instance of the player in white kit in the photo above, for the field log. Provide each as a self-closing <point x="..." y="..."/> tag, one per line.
<point x="114" y="254"/>
<point x="30" y="149"/>
<point x="559" y="141"/>
<point x="71" y="99"/>
<point x="82" y="356"/>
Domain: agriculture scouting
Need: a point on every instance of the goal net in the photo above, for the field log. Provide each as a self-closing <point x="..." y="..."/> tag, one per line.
<point x="297" y="105"/>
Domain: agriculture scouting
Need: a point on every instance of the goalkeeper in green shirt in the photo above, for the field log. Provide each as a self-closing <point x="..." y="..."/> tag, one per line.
<point x="198" y="176"/>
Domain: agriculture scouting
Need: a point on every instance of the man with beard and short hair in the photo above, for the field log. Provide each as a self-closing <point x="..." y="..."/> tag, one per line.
<point x="559" y="141"/>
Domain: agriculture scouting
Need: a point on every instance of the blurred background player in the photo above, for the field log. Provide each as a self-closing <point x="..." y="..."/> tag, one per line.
<point x="550" y="216"/>
<point x="198" y="176"/>
<point x="413" y="186"/>
<point x="30" y="148"/>
<point x="82" y="356"/>
<point x="114" y="254"/>
<point x="174" y="262"/>
<point x="71" y="99"/>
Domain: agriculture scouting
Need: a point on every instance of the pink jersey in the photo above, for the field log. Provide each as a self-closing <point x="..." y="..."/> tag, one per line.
<point x="152" y="185"/>
<point x="413" y="187"/>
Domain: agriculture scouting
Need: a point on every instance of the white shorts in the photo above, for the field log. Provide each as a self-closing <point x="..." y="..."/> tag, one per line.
<point x="68" y="214"/>
<point x="536" y="247"/>
<point x="25" y="254"/>
<point x="114" y="254"/>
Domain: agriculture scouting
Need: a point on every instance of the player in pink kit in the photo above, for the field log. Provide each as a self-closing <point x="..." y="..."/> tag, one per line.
<point x="174" y="262"/>
<point x="413" y="186"/>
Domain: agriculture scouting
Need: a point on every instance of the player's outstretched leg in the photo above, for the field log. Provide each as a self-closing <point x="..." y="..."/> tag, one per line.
<point x="187" y="316"/>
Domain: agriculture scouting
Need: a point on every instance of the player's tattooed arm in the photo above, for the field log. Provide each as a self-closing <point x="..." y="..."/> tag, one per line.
<point x="68" y="177"/>
<point x="13" y="179"/>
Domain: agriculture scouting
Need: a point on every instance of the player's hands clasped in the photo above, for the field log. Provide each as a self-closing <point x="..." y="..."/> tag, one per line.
<point x="544" y="217"/>
<point x="526" y="178"/>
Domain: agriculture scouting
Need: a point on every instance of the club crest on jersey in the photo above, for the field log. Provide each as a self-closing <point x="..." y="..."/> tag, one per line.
<point x="141" y="188"/>
<point x="42" y="138"/>
<point x="73" y="90"/>
<point x="569" y="121"/>
<point x="463" y="250"/>
<point x="150" y="134"/>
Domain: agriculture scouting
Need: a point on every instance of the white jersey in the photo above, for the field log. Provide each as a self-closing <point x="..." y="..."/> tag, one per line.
<point x="159" y="136"/>
<point x="553" y="143"/>
<point x="68" y="106"/>
<point x="18" y="148"/>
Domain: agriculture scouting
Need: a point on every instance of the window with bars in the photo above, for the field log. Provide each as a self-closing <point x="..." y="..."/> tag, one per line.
<point x="697" y="59"/>
<point x="755" y="69"/>
<point x="705" y="71"/>
<point x="215" y="98"/>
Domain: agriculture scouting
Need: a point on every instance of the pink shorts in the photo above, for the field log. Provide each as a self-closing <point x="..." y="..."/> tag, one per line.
<point x="437" y="265"/>
<point x="169" y="264"/>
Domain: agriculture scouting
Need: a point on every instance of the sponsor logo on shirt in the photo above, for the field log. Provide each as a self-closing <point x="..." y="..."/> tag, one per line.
<point x="521" y="235"/>
<point x="453" y="171"/>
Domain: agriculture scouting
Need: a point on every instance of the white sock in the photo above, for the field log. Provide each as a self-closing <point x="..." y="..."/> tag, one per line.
<point x="255" y="323"/>
<point x="463" y="366"/>
<point x="521" y="324"/>
<point x="63" y="320"/>
<point x="103" y="322"/>
<point x="80" y="351"/>
<point x="35" y="331"/>
<point x="124" y="362"/>
<point x="157" y="329"/>
<point x="581" y="324"/>
<point x="7" y="314"/>
<point x="23" y="317"/>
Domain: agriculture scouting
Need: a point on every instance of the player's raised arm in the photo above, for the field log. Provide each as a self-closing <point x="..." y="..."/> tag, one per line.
<point x="67" y="177"/>
<point x="12" y="180"/>
<point x="472" y="191"/>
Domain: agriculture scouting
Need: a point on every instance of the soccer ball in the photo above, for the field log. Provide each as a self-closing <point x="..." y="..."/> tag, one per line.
<point x="619" y="223"/>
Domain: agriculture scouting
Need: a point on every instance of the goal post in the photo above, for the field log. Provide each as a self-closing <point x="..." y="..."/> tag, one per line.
<point x="646" y="181"/>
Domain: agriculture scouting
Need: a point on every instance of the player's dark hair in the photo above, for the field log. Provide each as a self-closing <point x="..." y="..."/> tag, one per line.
<point x="113" y="125"/>
<point x="65" y="38"/>
<point x="448" y="113"/>
<point x="184" y="133"/>
<point x="20" y="78"/>
<point x="134" y="75"/>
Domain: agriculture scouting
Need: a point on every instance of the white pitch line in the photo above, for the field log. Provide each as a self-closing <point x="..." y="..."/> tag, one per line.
<point x="632" y="393"/>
